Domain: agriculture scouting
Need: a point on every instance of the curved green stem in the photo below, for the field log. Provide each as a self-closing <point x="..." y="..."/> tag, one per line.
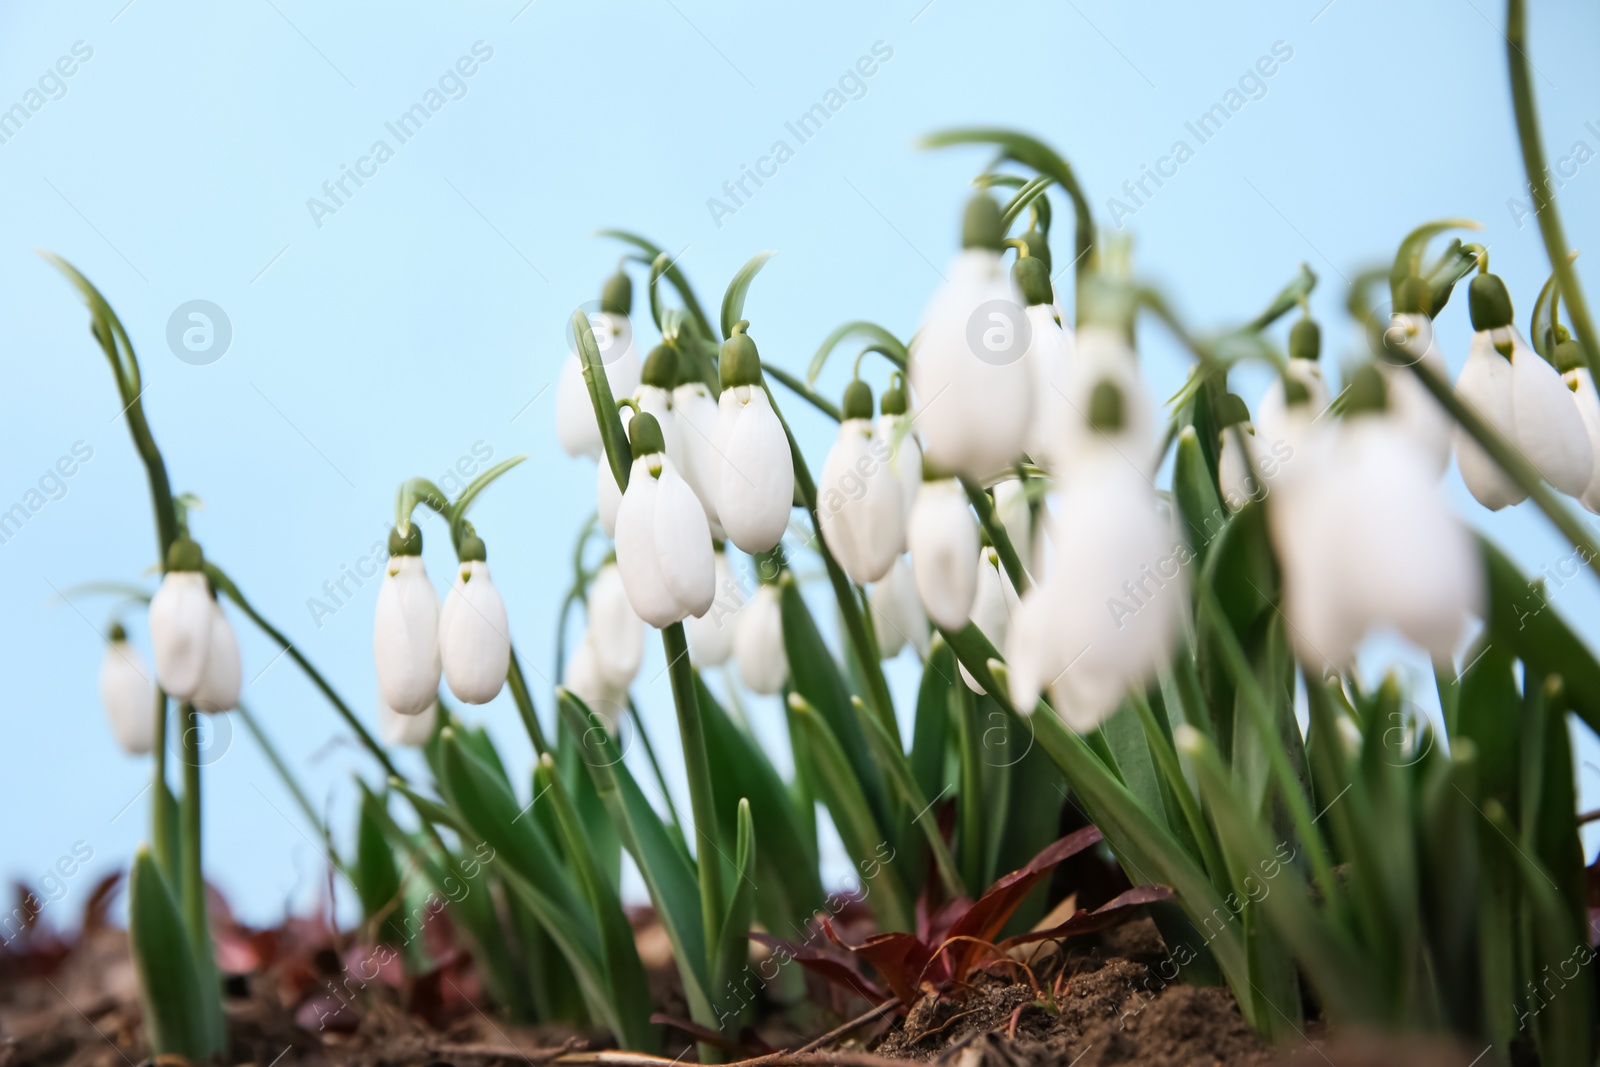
<point x="1533" y="163"/>
<point x="799" y="388"/>
<point x="998" y="536"/>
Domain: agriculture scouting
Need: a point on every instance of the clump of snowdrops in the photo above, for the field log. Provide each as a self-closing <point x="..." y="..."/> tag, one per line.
<point x="1172" y="655"/>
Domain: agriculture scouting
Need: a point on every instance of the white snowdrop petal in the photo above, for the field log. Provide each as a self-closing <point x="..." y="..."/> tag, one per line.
<point x="755" y="490"/>
<point x="711" y="635"/>
<point x="127" y="692"/>
<point x="697" y="428"/>
<point x="1486" y="384"/>
<point x="1588" y="404"/>
<point x="475" y="648"/>
<point x="897" y="613"/>
<point x="859" y="504"/>
<point x="180" y="632"/>
<point x="405" y="637"/>
<point x="683" y="544"/>
<point x="576" y="427"/>
<point x="991" y="610"/>
<point x="1550" y="429"/>
<point x="758" y="643"/>
<point x="219" y="686"/>
<point x="637" y="560"/>
<point x="618" y="632"/>
<point x="943" y="539"/>
<point x="409" y="731"/>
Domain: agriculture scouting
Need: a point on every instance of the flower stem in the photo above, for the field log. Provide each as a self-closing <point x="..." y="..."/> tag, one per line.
<point x="525" y="708"/>
<point x="998" y="536"/>
<point x="697" y="765"/>
<point x="1533" y="163"/>
<point x="160" y="812"/>
<point x="275" y="758"/>
<point x="810" y="396"/>
<point x="192" y="880"/>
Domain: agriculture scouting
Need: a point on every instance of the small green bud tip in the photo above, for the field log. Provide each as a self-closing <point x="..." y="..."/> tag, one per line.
<point x="1105" y="407"/>
<point x="660" y="368"/>
<point x="1033" y="278"/>
<point x="894" y="401"/>
<point x="407" y="544"/>
<point x="472" y="550"/>
<point x="1038" y="247"/>
<point x="117" y="633"/>
<point x="616" y="295"/>
<point x="1368" y="391"/>
<point x="740" y="363"/>
<point x="858" y="400"/>
<point x="1412" y="296"/>
<point x="185" y="555"/>
<point x="1232" y="411"/>
<point x="1489" y="302"/>
<point x="1305" y="340"/>
<point x="1568" y="355"/>
<point x="982" y="226"/>
<point x="1295" y="392"/>
<point x="644" y="433"/>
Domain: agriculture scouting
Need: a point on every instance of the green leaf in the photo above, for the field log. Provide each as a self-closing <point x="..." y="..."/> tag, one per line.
<point x="175" y="1016"/>
<point x="1288" y="298"/>
<point x="885" y="342"/>
<point x="1408" y="257"/>
<point x="625" y="977"/>
<point x="1204" y="517"/>
<point x="733" y="941"/>
<point x="861" y="832"/>
<point x="667" y="872"/>
<point x="618" y="453"/>
<point x="458" y="510"/>
<point x="1450" y="866"/>
<point x="651" y="252"/>
<point x="1033" y="189"/>
<point x="376" y="877"/>
<point x="931" y="729"/>
<point x="897" y="768"/>
<point x="738" y="289"/>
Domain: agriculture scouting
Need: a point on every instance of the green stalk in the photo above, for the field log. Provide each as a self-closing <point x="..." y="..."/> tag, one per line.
<point x="524" y="701"/>
<point x="810" y="396"/>
<point x="1533" y="163"/>
<point x="697" y="765"/>
<point x="998" y="536"/>
<point x="844" y="592"/>
<point x="160" y="816"/>
<point x="655" y="766"/>
<point x="192" y="879"/>
<point x="1512" y="462"/>
<point x="275" y="758"/>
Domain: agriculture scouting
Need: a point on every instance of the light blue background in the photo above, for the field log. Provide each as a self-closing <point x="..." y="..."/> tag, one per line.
<point x="429" y="311"/>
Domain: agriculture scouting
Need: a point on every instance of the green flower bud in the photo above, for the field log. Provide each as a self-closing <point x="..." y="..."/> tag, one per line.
<point x="1232" y="410"/>
<point x="740" y="363"/>
<point x="1305" y="340"/>
<point x="894" y="398"/>
<point x="1413" y="296"/>
<point x="644" y="434"/>
<point x="472" y="549"/>
<point x="1489" y="302"/>
<point x="982" y="226"/>
<point x="660" y="368"/>
<point x="1038" y="247"/>
<point x="1568" y="356"/>
<point x="117" y="633"/>
<point x="1368" y="391"/>
<point x="185" y="555"/>
<point x="1105" y="407"/>
<point x="1033" y="278"/>
<point x="616" y="295"/>
<point x="408" y="545"/>
<point x="858" y="400"/>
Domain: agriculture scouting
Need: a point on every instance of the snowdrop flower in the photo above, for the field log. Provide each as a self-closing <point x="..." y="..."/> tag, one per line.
<point x="1049" y="355"/>
<point x="663" y="541"/>
<point x="1236" y="467"/>
<point x="127" y="694"/>
<point x="405" y="634"/>
<point x="1104" y="355"/>
<point x="991" y="608"/>
<point x="617" y="633"/>
<point x="1106" y="616"/>
<point x="181" y="614"/>
<point x="758" y="643"/>
<point x="219" y="685"/>
<point x="1410" y="338"/>
<point x="410" y="731"/>
<point x="1523" y="397"/>
<point x="696" y="412"/>
<point x="1569" y="360"/>
<point x="899" y="443"/>
<point x="897" y="614"/>
<point x="658" y="380"/>
<point x="1277" y="418"/>
<point x="860" y="508"/>
<point x="1398" y="558"/>
<point x="754" y="489"/>
<point x="969" y="371"/>
<point x="943" y="538"/>
<point x="581" y="677"/>
<point x="474" y="634"/>
<point x="711" y="635"/>
<point x="576" y="426"/>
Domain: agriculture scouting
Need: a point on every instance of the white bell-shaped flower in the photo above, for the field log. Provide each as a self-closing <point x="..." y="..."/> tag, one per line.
<point x="1106" y="616"/>
<point x="1569" y="360"/>
<point x="697" y="412"/>
<point x="969" y="371"/>
<point x="1411" y="337"/>
<point x="608" y="498"/>
<point x="1049" y="357"/>
<point x="405" y="632"/>
<point x="581" y="676"/>
<point x="897" y="614"/>
<point x="617" y="633"/>
<point x="474" y="633"/>
<point x="754" y="490"/>
<point x="897" y="440"/>
<point x="663" y="540"/>
<point x="576" y="426"/>
<point x="1516" y="391"/>
<point x="1241" y="471"/>
<point x="943" y="538"/>
<point x="711" y="635"/>
<point x="992" y="608"/>
<point x="409" y="731"/>
<point x="1366" y="539"/>
<point x="128" y="694"/>
<point x="1104" y="355"/>
<point x="181" y="614"/>
<point x="758" y="643"/>
<point x="860" y="508"/>
<point x="1280" y="422"/>
<point x="219" y="685"/>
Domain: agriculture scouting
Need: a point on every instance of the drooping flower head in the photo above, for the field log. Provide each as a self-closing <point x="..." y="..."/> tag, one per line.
<point x="181" y="614"/>
<point x="405" y="633"/>
<point x="576" y="426"/>
<point x="127" y="693"/>
<point x="474" y="634"/>
<point x="860" y="502"/>
<point x="663" y="540"/>
<point x="754" y="488"/>
<point x="758" y="642"/>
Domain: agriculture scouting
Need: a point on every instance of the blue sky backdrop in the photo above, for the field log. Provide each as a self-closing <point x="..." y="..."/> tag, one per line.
<point x="411" y="318"/>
